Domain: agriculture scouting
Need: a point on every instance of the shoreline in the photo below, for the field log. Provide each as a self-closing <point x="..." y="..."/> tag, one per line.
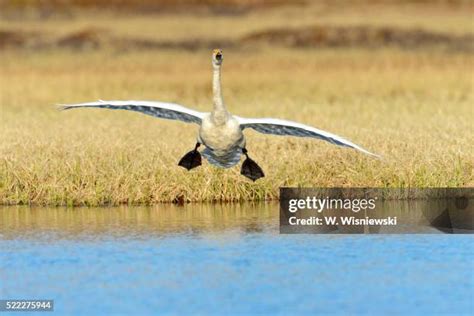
<point x="469" y="194"/>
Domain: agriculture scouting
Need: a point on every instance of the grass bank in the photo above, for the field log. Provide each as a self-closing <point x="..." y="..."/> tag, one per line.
<point x="414" y="110"/>
<point x="413" y="107"/>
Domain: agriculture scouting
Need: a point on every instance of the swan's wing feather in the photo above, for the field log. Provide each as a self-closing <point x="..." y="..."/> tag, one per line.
<point x="163" y="110"/>
<point x="289" y="128"/>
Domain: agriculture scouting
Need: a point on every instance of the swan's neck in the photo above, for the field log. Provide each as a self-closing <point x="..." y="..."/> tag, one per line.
<point x="219" y="113"/>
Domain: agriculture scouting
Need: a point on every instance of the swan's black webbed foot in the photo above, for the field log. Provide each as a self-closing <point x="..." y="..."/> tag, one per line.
<point x="250" y="169"/>
<point x="192" y="159"/>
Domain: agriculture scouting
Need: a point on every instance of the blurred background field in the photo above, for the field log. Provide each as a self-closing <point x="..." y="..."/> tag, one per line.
<point x="393" y="76"/>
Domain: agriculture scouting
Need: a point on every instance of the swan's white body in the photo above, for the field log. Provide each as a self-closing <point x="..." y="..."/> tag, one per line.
<point x="220" y="132"/>
<point x="223" y="142"/>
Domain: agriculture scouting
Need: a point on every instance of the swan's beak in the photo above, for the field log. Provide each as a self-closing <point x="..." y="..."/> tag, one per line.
<point x="217" y="56"/>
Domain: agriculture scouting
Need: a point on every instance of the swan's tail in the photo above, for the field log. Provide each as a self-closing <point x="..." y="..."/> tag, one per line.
<point x="228" y="160"/>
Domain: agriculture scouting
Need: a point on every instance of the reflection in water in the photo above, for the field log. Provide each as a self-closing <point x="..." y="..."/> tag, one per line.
<point x="415" y="216"/>
<point x="214" y="259"/>
<point x="116" y="221"/>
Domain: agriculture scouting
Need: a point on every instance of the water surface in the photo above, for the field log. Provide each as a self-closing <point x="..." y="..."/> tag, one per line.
<point x="213" y="259"/>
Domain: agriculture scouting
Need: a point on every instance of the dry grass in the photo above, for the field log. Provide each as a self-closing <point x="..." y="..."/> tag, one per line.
<point x="412" y="107"/>
<point x="321" y="36"/>
<point x="311" y="36"/>
<point x="50" y="7"/>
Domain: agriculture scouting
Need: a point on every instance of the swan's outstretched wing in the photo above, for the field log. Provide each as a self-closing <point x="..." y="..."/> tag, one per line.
<point x="164" y="110"/>
<point x="289" y="128"/>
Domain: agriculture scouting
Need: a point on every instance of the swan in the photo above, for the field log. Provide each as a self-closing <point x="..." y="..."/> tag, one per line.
<point x="220" y="132"/>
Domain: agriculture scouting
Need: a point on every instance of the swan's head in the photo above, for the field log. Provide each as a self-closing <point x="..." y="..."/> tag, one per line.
<point x="217" y="57"/>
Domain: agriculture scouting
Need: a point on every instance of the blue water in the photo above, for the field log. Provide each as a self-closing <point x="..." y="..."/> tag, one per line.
<point x="97" y="267"/>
